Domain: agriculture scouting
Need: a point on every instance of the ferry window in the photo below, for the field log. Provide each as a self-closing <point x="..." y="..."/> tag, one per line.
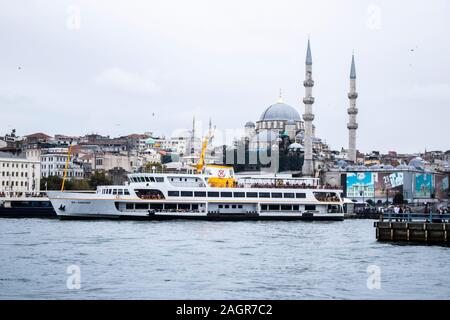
<point x="173" y="193"/>
<point x="184" y="206"/>
<point x="152" y="179"/>
<point x="285" y="207"/>
<point x="147" y="179"/>
<point x="289" y="195"/>
<point x="213" y="194"/>
<point x="220" y="206"/>
<point x="200" y="193"/>
<point x="159" y="179"/>
<point x="240" y="206"/>
<point x="141" y="206"/>
<point x="109" y="191"/>
<point x="194" y="206"/>
<point x="239" y="194"/>
<point x="300" y="195"/>
<point x="114" y="191"/>
<point x="157" y="206"/>
<point x="126" y="192"/>
<point x="120" y="191"/>
<point x="264" y="207"/>
<point x="275" y="207"/>
<point x="264" y="195"/>
<point x="295" y="207"/>
<point x="186" y="193"/>
<point x="233" y="206"/>
<point x="170" y="206"/>
<point x="227" y="206"/>
<point x="130" y="206"/>
<point x="277" y="195"/>
<point x="252" y="195"/>
<point x="309" y="207"/>
<point x="226" y="194"/>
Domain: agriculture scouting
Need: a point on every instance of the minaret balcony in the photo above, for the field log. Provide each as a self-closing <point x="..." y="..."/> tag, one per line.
<point x="308" y="83"/>
<point x="352" y="110"/>
<point x="308" y="117"/>
<point x="352" y="126"/>
<point x="308" y="100"/>
<point x="353" y="95"/>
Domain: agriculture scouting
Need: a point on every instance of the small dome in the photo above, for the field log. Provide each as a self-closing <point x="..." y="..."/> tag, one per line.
<point x="249" y="125"/>
<point x="280" y="111"/>
<point x="295" y="146"/>
<point x="342" y="164"/>
<point x="417" y="163"/>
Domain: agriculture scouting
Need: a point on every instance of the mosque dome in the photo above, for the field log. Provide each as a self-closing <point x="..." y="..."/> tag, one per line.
<point x="280" y="111"/>
<point x="249" y="125"/>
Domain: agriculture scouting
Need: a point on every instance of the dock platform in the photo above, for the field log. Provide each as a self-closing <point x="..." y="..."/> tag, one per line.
<point x="414" y="228"/>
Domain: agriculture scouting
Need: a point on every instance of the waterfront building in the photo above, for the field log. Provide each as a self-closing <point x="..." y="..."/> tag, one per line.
<point x="53" y="163"/>
<point x="381" y="182"/>
<point x="18" y="175"/>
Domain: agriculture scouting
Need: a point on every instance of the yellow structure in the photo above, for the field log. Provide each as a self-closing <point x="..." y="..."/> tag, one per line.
<point x="220" y="176"/>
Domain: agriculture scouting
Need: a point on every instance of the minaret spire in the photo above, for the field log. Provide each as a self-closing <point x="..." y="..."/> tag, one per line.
<point x="352" y="111"/>
<point x="308" y="116"/>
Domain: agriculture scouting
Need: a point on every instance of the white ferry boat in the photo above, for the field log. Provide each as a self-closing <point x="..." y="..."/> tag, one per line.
<point x="215" y="194"/>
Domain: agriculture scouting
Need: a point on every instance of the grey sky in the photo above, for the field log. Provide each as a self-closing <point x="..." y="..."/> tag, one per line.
<point x="226" y="60"/>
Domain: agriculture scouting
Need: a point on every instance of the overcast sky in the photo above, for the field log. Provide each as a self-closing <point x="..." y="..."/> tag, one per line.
<point x="119" y="67"/>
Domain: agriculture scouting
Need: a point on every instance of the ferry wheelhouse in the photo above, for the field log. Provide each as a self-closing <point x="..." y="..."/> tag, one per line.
<point x="215" y="194"/>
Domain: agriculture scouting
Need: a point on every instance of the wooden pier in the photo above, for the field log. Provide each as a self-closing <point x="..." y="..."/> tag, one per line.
<point x="414" y="228"/>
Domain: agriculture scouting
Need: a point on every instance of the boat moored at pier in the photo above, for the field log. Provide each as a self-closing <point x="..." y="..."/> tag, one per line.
<point x="201" y="196"/>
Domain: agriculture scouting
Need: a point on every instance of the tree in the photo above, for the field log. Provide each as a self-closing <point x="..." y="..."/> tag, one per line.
<point x="99" y="178"/>
<point x="51" y="183"/>
<point x="149" y="167"/>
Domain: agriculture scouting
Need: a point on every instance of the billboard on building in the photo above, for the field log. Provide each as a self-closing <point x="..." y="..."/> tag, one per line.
<point x="442" y="186"/>
<point x="388" y="184"/>
<point x="360" y="185"/>
<point x="423" y="185"/>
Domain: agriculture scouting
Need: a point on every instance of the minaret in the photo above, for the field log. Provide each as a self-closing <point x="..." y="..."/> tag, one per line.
<point x="352" y="112"/>
<point x="308" y="116"/>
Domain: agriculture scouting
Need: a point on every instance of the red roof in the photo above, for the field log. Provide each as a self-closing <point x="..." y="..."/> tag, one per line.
<point x="38" y="135"/>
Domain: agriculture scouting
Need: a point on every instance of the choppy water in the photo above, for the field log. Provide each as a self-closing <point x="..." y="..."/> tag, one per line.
<point x="213" y="260"/>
